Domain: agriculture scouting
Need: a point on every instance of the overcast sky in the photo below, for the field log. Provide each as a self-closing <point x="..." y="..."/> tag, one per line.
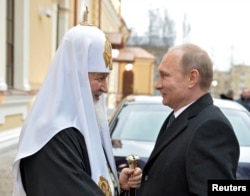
<point x="219" y="26"/>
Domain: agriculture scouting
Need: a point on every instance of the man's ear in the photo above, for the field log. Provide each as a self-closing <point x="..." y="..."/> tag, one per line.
<point x="194" y="76"/>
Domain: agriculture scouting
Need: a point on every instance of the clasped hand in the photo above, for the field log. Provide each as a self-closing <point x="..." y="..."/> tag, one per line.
<point x="130" y="178"/>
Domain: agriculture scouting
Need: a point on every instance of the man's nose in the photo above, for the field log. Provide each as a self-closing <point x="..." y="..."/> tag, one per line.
<point x="104" y="87"/>
<point x="158" y="84"/>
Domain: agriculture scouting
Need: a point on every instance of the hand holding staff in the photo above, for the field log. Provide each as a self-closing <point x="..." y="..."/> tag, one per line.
<point x="132" y="162"/>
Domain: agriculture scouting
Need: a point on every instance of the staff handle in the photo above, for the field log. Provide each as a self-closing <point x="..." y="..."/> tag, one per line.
<point x="132" y="162"/>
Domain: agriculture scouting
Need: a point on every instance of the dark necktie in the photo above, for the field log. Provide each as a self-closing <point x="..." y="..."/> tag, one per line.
<point x="170" y="121"/>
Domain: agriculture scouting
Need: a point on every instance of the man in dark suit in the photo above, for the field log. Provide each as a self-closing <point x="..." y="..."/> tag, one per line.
<point x="200" y="144"/>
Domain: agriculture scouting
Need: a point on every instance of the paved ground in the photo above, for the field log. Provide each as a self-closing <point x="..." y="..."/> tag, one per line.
<point x="6" y="178"/>
<point x="8" y="146"/>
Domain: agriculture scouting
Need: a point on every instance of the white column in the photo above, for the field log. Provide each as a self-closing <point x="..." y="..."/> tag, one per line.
<point x="3" y="85"/>
<point x="64" y="8"/>
<point x="21" y="51"/>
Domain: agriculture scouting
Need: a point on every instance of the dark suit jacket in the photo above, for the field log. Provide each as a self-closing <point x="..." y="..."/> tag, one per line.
<point x="199" y="145"/>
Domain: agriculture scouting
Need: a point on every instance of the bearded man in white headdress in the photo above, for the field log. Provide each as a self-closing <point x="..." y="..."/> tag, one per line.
<point x="64" y="146"/>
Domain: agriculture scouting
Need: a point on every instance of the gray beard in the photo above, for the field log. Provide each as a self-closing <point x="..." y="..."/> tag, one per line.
<point x="101" y="116"/>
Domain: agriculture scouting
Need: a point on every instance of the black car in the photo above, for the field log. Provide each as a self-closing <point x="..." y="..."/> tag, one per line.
<point x="135" y="125"/>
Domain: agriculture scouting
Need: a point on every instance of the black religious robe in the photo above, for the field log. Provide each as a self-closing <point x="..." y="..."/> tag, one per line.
<point x="60" y="168"/>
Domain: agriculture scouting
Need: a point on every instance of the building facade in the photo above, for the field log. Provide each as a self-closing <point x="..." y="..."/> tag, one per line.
<point x="236" y="79"/>
<point x="31" y="31"/>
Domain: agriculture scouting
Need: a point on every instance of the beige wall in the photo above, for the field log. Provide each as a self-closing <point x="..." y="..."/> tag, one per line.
<point x="143" y="83"/>
<point x="110" y="22"/>
<point x="11" y="122"/>
<point x="40" y="42"/>
<point x="43" y="36"/>
<point x="143" y="76"/>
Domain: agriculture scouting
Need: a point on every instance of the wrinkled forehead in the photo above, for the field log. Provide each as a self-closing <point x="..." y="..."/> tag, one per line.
<point x="98" y="74"/>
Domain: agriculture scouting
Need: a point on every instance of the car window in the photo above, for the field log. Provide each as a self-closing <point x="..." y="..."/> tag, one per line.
<point x="140" y="122"/>
<point x="240" y="121"/>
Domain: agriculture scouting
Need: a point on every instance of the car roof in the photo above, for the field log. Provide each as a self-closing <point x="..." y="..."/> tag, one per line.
<point x="223" y="103"/>
<point x="143" y="99"/>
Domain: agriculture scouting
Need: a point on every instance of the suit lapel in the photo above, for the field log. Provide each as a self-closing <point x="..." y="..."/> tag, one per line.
<point x="178" y="126"/>
<point x="168" y="135"/>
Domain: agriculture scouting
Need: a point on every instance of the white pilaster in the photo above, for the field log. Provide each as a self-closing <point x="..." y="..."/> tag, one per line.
<point x="3" y="85"/>
<point x="21" y="51"/>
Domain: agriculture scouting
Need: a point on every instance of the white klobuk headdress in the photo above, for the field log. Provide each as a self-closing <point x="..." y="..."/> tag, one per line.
<point x="65" y="100"/>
